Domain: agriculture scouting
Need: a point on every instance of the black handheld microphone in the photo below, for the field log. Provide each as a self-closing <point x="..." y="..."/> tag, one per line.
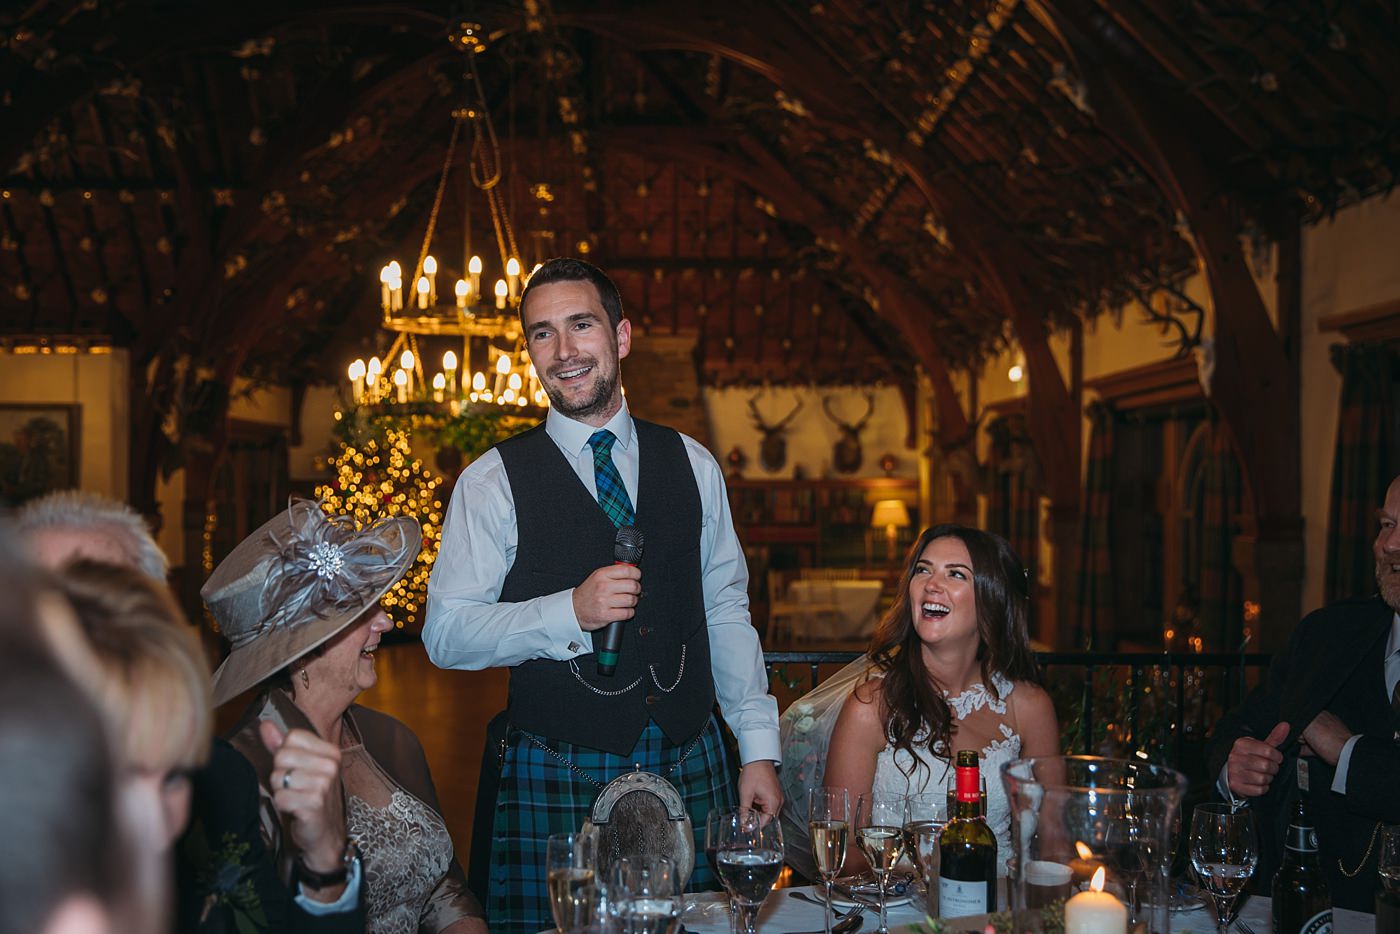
<point x="607" y="642"/>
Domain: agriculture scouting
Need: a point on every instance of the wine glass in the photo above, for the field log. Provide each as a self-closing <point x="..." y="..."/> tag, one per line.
<point x="715" y="822"/>
<point x="828" y="824"/>
<point x="1388" y="895"/>
<point x="925" y="815"/>
<point x="880" y="836"/>
<point x="749" y="856"/>
<point x="1224" y="852"/>
<point x="644" y="895"/>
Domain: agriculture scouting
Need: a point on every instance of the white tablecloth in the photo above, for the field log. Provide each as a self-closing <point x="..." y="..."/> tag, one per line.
<point x="855" y="605"/>
<point x="782" y="913"/>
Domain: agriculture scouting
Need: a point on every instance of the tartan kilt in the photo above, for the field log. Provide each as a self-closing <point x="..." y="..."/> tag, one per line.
<point x="540" y="796"/>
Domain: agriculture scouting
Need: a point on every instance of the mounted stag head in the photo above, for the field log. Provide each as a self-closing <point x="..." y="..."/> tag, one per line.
<point x="772" y="450"/>
<point x="846" y="455"/>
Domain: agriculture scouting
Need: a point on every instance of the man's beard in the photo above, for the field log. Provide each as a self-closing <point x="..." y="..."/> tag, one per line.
<point x="1389" y="582"/>
<point x="597" y="401"/>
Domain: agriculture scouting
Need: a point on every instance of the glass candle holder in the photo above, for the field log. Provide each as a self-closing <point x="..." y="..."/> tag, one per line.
<point x="1075" y="818"/>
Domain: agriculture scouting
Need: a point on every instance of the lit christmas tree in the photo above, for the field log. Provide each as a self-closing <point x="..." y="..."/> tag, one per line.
<point x="379" y="478"/>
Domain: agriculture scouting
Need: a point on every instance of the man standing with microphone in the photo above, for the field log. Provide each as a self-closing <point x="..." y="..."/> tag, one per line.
<point x="530" y="571"/>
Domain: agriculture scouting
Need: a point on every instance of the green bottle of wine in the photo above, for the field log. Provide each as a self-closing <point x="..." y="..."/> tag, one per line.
<point x="967" y="849"/>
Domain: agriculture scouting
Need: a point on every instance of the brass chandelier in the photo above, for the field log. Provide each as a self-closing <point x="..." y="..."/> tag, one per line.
<point x="503" y="374"/>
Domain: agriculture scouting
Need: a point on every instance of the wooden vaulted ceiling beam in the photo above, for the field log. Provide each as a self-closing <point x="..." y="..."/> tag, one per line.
<point x="768" y="175"/>
<point x="1254" y="377"/>
<point x="95" y="48"/>
<point x="808" y="75"/>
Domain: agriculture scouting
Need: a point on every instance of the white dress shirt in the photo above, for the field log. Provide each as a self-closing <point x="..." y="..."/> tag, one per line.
<point x="466" y="627"/>
<point x="1391" y="672"/>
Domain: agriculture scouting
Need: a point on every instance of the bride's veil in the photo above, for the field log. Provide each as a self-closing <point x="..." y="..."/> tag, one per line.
<point x="805" y="730"/>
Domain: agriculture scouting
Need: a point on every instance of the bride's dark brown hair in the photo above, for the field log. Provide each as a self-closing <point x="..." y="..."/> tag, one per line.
<point x="911" y="699"/>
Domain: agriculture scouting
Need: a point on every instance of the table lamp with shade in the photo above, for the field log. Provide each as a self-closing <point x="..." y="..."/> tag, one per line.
<point x="891" y="515"/>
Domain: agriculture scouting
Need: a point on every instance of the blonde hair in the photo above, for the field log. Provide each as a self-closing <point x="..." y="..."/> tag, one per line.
<point x="154" y="684"/>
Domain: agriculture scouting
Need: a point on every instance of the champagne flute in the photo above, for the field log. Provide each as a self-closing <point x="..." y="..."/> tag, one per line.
<point x="571" y="861"/>
<point x="828" y="824"/>
<point x="1224" y="852"/>
<point x="645" y="895"/>
<point x="749" y="856"/>
<point x="880" y="836"/>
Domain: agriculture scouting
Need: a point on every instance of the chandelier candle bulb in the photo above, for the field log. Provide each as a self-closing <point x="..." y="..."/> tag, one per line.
<point x="474" y="270"/>
<point x="513" y="277"/>
<point x="1095" y="911"/>
<point x="502" y="290"/>
<point x="430" y="271"/>
<point x="395" y="286"/>
<point x="357" y="381"/>
<point x="401" y="381"/>
<point x="384" y="278"/>
<point x="449" y="369"/>
<point x="423" y="288"/>
<point x="478" y="381"/>
<point x="461" y="290"/>
<point x="406" y="362"/>
<point x="372" y="374"/>
<point x="439" y="385"/>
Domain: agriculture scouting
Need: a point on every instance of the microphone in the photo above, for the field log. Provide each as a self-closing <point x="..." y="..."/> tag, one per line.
<point x="607" y="642"/>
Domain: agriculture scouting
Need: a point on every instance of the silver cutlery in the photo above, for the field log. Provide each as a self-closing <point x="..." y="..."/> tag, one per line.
<point x="851" y="922"/>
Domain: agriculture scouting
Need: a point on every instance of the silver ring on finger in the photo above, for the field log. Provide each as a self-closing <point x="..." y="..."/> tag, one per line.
<point x="287" y="779"/>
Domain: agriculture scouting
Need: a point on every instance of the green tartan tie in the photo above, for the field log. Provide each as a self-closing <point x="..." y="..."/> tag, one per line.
<point x="612" y="495"/>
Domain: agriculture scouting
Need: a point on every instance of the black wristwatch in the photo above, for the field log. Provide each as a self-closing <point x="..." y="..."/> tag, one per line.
<point x="324" y="880"/>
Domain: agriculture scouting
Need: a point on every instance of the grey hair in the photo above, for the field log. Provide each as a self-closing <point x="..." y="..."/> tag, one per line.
<point x="82" y="511"/>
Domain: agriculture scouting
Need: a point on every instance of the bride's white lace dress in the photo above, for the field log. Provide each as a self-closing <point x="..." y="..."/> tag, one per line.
<point x="978" y="713"/>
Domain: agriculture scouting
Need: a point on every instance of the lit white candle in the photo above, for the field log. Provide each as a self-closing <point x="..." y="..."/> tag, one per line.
<point x="439" y="384"/>
<point x="423" y="289"/>
<point x="384" y="278"/>
<point x="401" y="381"/>
<point x="430" y="270"/>
<point x="1095" y="911"/>
<point x="502" y="290"/>
<point x="461" y="290"/>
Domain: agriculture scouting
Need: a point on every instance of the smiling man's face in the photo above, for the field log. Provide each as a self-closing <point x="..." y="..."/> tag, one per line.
<point x="1387" y="547"/>
<point x="576" y="350"/>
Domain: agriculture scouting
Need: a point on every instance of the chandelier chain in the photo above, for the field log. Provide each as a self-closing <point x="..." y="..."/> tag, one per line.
<point x="437" y="204"/>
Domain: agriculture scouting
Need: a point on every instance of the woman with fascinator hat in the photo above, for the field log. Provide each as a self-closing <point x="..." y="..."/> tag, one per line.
<point x="299" y="602"/>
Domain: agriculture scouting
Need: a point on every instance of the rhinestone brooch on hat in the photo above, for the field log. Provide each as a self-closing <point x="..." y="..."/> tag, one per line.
<point x="327" y="559"/>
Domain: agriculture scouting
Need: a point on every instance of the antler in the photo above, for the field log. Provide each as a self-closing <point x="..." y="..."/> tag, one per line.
<point x="782" y="423"/>
<point x="869" y="410"/>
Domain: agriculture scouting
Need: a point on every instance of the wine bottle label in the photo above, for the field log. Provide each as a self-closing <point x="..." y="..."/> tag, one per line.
<point x="958" y="898"/>
<point x="969" y="784"/>
<point x="1320" y="923"/>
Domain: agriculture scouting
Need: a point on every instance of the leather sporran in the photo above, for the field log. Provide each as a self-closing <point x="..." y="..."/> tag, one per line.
<point x="642" y="814"/>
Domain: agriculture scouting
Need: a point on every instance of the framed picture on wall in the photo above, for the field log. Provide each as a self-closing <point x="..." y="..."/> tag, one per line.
<point x="38" y="449"/>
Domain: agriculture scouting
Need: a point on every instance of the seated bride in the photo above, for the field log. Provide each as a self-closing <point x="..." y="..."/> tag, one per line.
<point x="950" y="668"/>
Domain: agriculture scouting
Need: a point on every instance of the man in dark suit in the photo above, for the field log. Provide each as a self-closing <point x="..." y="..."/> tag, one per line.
<point x="1329" y="714"/>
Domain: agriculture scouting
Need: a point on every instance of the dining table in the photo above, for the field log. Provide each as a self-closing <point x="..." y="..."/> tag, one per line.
<point x="784" y="913"/>
<point x="855" y="602"/>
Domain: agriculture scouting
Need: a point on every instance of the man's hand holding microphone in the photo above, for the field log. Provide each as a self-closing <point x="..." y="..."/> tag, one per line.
<point x="608" y="597"/>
